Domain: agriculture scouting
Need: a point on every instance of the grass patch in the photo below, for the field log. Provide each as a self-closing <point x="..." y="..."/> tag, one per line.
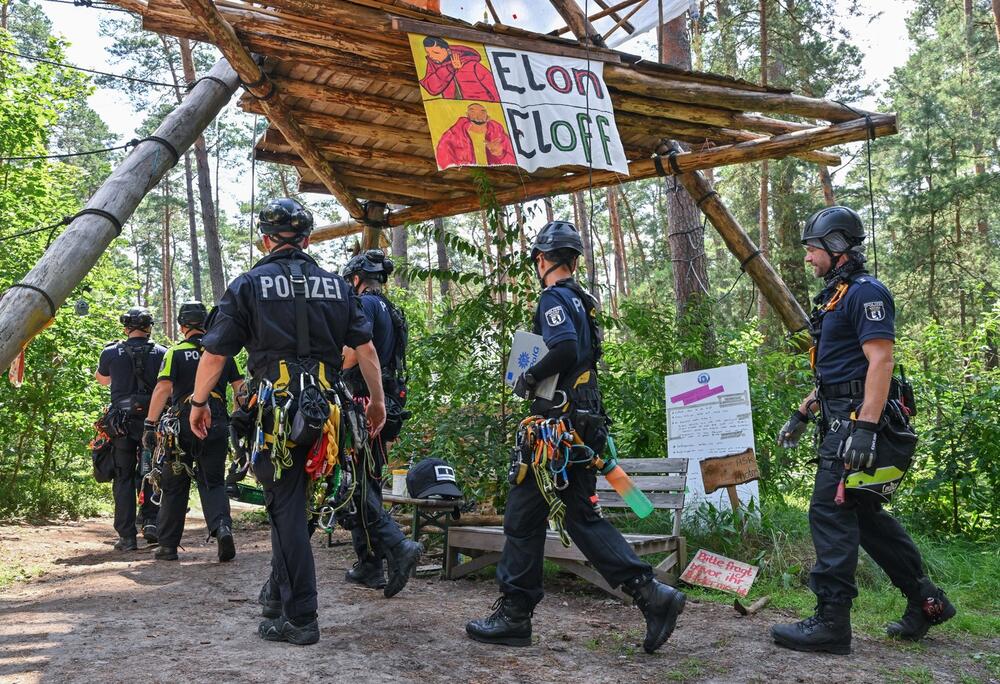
<point x="11" y="572"/>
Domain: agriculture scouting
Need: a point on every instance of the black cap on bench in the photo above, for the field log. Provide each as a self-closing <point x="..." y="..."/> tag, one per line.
<point x="432" y="478"/>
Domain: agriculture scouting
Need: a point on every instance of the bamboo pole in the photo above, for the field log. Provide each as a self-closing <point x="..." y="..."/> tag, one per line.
<point x="755" y="150"/>
<point x="273" y="107"/>
<point x="24" y="312"/>
<point x="757" y="266"/>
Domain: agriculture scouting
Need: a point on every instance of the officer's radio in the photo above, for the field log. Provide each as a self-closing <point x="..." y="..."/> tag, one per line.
<point x="902" y="391"/>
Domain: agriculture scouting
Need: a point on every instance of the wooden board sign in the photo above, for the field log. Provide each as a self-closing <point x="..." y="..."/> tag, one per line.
<point x="729" y="470"/>
<point x="711" y="570"/>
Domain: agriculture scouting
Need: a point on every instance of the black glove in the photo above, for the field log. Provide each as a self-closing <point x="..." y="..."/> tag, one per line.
<point x="525" y="385"/>
<point x="859" y="447"/>
<point x="148" y="435"/>
<point x="791" y="431"/>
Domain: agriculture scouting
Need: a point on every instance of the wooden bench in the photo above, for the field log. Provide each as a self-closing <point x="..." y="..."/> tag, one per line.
<point x="661" y="479"/>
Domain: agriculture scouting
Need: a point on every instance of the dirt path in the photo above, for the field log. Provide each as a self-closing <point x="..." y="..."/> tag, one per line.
<point x="91" y="614"/>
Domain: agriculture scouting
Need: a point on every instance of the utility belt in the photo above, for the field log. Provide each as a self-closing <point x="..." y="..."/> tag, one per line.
<point x="134" y="406"/>
<point x="839" y="390"/>
<point x="580" y="403"/>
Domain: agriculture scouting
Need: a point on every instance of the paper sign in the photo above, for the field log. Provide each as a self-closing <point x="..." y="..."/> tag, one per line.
<point x="492" y="106"/>
<point x="711" y="570"/>
<point x="709" y="415"/>
<point x="525" y="351"/>
<point x="724" y="471"/>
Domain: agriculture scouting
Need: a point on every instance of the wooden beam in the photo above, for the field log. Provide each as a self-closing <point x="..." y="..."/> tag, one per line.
<point x="344" y="152"/>
<point x="336" y="230"/>
<point x="624" y="20"/>
<point x="370" y="194"/>
<point x="726" y="97"/>
<point x="273" y="107"/>
<point x="321" y="92"/>
<point x="24" y="312"/>
<point x="373" y="228"/>
<point x="537" y="44"/>
<point x="577" y="22"/>
<point x="743" y="248"/>
<point x="754" y="150"/>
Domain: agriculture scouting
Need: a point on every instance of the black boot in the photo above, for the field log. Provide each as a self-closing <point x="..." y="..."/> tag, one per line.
<point x="126" y="544"/>
<point x="168" y="553"/>
<point x="149" y="532"/>
<point x="402" y="558"/>
<point x="368" y="573"/>
<point x="660" y="604"/>
<point x="828" y="630"/>
<point x="270" y="606"/>
<point x="300" y="632"/>
<point x="508" y="625"/>
<point x="227" y="547"/>
<point x="927" y="607"/>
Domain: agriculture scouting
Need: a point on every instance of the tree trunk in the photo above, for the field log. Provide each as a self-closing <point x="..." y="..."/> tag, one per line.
<point x="209" y="216"/>
<point x="765" y="179"/>
<point x="400" y="248"/>
<point x="583" y="225"/>
<point x="996" y="20"/>
<point x="4" y="13"/>
<point x="442" y="254"/>
<point x="621" y="270"/>
<point x="519" y="218"/>
<point x="827" y="184"/>
<point x="548" y="204"/>
<point x="166" y="285"/>
<point x="685" y="236"/>
<point x="728" y="45"/>
<point x="192" y="229"/>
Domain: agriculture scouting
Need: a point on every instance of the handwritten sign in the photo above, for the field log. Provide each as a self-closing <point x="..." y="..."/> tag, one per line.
<point x="711" y="570"/>
<point x="492" y="106"/>
<point x="725" y="471"/>
<point x="709" y="415"/>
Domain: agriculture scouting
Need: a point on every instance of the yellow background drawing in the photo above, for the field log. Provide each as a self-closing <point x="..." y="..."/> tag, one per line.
<point x="420" y="59"/>
<point x="442" y="115"/>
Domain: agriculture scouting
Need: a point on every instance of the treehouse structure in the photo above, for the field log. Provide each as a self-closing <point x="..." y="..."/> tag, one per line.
<point x="352" y="93"/>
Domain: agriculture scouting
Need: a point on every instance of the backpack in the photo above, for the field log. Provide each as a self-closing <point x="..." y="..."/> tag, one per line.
<point x="138" y="402"/>
<point x="397" y="362"/>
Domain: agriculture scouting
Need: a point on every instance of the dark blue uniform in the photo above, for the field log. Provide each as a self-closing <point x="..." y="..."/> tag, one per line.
<point x="376" y="530"/>
<point x="865" y="312"/>
<point x="207" y="457"/>
<point x="258" y="312"/>
<point x="131" y="394"/>
<point x="561" y="316"/>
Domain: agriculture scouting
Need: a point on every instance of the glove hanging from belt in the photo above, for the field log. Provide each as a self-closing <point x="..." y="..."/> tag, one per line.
<point x="859" y="447"/>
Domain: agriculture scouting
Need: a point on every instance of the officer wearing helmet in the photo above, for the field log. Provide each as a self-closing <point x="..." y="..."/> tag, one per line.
<point x="374" y="532"/>
<point x="865" y="444"/>
<point x="565" y="318"/>
<point x="294" y="318"/>
<point x="129" y="367"/>
<point x="184" y="454"/>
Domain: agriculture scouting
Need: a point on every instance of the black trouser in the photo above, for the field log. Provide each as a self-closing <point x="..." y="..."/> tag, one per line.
<point x="376" y="531"/>
<point x="293" y="570"/>
<point x="837" y="531"/>
<point x="525" y="522"/>
<point x="125" y="488"/>
<point x="208" y="459"/>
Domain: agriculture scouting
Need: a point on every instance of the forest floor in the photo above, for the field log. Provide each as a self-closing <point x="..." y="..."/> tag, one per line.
<point x="75" y="610"/>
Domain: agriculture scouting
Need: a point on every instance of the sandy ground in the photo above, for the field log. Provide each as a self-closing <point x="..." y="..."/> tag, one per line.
<point x="92" y="614"/>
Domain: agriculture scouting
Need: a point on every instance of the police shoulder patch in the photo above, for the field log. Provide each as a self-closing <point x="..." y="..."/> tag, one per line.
<point x="875" y="311"/>
<point x="555" y="316"/>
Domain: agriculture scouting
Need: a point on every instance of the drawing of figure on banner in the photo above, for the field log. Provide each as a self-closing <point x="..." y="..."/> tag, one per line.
<point x="475" y="140"/>
<point x="457" y="72"/>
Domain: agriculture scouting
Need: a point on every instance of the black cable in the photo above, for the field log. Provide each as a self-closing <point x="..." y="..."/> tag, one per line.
<point x="869" y="136"/>
<point x="67" y="155"/>
<point x="48" y="299"/>
<point x="43" y="60"/>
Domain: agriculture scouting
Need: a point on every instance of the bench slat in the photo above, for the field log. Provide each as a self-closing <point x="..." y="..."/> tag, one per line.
<point x="670" y="500"/>
<point x="665" y="466"/>
<point x="492" y="539"/>
<point x="656" y="483"/>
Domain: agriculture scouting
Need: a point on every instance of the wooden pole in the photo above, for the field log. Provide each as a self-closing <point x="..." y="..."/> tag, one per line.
<point x="771" y="285"/>
<point x="225" y="38"/>
<point x="577" y="22"/>
<point x="375" y="213"/>
<point x="23" y="312"/>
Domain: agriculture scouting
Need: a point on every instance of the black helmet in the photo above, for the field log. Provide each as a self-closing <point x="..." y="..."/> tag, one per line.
<point x="557" y="235"/>
<point x="192" y="314"/>
<point x="137" y="318"/>
<point x="841" y="220"/>
<point x="372" y="263"/>
<point x="285" y="215"/>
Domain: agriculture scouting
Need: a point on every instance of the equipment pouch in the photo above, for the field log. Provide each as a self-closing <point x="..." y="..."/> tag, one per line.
<point x="592" y="428"/>
<point x="518" y="469"/>
<point x="135" y="405"/>
<point x="311" y="411"/>
<point x="102" y="458"/>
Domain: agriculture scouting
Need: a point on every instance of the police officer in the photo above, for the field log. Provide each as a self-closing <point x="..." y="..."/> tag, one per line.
<point x="130" y="368"/>
<point x="205" y="458"/>
<point x="375" y="530"/>
<point x="565" y="319"/>
<point x="865" y="437"/>
<point x="294" y="318"/>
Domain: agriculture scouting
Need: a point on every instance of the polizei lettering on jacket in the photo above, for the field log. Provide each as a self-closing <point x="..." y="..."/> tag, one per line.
<point x="317" y="287"/>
